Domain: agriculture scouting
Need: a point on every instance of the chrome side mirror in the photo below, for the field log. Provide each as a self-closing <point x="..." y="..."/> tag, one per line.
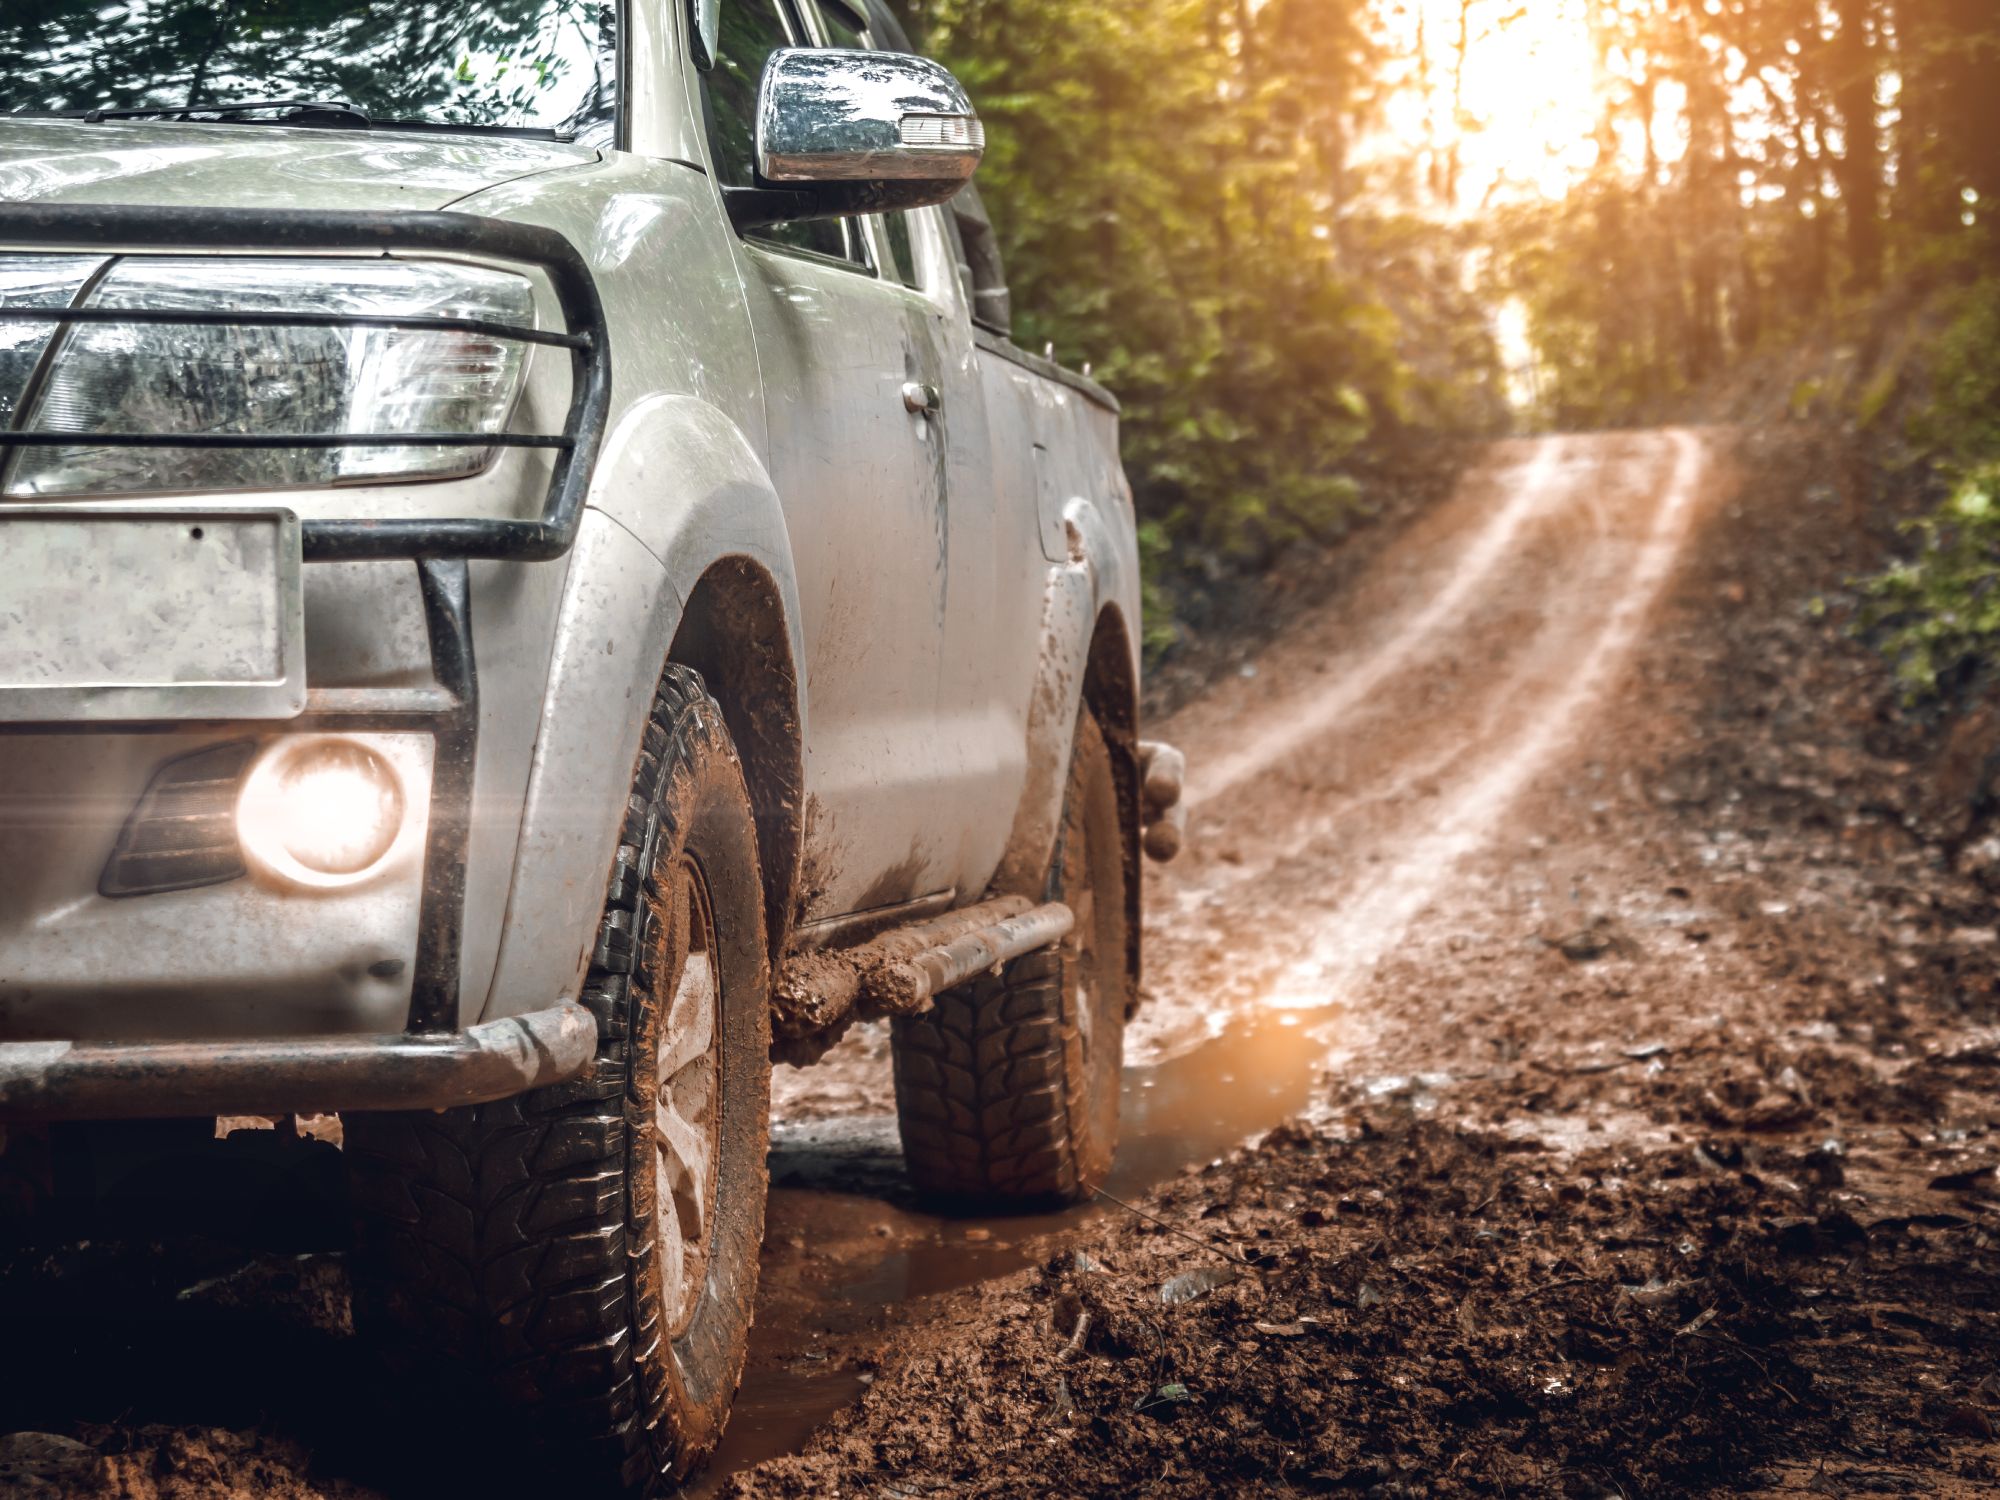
<point x="852" y="132"/>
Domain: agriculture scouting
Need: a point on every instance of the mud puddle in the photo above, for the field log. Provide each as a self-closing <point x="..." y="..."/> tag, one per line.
<point x="851" y="1252"/>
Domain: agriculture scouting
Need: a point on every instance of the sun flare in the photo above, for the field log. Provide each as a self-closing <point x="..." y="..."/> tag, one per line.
<point x="1503" y="95"/>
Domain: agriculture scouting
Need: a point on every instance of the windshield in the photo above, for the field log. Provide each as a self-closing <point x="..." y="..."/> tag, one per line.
<point x="536" y="64"/>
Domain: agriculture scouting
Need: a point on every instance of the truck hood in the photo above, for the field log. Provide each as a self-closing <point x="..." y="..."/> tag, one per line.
<point x="263" y="166"/>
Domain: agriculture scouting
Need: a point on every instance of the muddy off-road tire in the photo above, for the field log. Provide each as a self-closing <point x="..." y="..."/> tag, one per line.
<point x="565" y="1254"/>
<point x="1007" y="1088"/>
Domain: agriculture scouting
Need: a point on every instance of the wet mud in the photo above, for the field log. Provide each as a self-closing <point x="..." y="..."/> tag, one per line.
<point x="851" y="1253"/>
<point x="1568" y="1066"/>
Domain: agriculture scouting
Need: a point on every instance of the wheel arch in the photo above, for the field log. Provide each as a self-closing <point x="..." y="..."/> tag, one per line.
<point x="733" y="632"/>
<point x="682" y="517"/>
<point x="1110" y="680"/>
<point x="1111" y="693"/>
<point x="1087" y="660"/>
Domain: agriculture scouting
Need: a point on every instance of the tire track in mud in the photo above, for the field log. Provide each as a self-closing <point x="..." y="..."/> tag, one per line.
<point x="1345" y="951"/>
<point x="1533" y="494"/>
<point x="1334" y="874"/>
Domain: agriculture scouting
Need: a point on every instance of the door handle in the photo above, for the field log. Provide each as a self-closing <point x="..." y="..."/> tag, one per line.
<point x="920" y="399"/>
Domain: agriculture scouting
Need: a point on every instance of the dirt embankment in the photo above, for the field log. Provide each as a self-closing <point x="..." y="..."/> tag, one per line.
<point x="1659" y="1153"/>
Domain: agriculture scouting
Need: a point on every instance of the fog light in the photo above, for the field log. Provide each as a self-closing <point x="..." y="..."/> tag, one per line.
<point x="323" y="812"/>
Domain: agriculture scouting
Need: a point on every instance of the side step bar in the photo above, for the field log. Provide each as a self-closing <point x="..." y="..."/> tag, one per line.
<point x="897" y="974"/>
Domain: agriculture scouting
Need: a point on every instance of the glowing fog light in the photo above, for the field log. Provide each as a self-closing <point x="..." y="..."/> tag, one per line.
<point x="322" y="812"/>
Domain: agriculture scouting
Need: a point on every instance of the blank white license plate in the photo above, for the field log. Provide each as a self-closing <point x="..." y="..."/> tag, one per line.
<point x="122" y="615"/>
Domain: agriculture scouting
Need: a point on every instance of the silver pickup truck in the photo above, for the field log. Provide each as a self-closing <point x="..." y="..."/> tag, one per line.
<point x="533" y="580"/>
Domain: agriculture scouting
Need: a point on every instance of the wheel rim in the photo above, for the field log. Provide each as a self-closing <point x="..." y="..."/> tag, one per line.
<point x="687" y="1114"/>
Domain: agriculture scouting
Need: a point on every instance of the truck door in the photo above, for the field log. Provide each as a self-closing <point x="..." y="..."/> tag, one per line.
<point x="860" y="476"/>
<point x="998" y="572"/>
<point x="990" y="624"/>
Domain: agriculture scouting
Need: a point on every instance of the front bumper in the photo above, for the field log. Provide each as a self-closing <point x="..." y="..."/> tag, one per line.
<point x="300" y="1075"/>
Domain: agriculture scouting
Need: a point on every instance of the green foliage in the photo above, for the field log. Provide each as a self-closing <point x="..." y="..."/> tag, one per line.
<point x="1603" y="355"/>
<point x="1171" y="186"/>
<point x="1961" y="425"/>
<point x="1938" y="615"/>
<point x="1158" y="630"/>
<point x="1876" y="395"/>
<point x="1754" y="186"/>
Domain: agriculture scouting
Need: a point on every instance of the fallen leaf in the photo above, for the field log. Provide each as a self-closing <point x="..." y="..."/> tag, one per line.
<point x="1196" y="1283"/>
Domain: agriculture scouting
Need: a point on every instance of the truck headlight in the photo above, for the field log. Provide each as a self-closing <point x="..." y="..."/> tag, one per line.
<point x="172" y="378"/>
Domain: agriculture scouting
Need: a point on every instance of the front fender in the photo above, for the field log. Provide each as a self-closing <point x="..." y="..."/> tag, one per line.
<point x="679" y="489"/>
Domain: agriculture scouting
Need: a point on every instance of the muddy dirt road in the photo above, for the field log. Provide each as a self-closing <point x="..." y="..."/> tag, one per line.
<point x="1336" y="785"/>
<point x="1563" y="924"/>
<point x="1560" y="873"/>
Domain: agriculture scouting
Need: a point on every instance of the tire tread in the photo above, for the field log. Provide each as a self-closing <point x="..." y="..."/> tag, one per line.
<point x="499" y="1237"/>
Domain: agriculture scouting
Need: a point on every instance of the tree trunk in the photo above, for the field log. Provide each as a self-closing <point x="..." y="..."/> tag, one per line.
<point x="1971" y="93"/>
<point x="1853" y="58"/>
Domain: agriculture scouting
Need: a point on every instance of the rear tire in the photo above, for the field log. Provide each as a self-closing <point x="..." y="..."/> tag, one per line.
<point x="567" y="1251"/>
<point x="1007" y="1088"/>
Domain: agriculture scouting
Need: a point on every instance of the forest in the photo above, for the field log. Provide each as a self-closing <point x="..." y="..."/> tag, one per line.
<point x="1310" y="242"/>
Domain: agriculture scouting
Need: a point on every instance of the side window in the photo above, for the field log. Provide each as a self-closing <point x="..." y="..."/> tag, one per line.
<point x="844" y="27"/>
<point x="979" y="261"/>
<point x="840" y="26"/>
<point x="751" y="31"/>
<point x="902" y="248"/>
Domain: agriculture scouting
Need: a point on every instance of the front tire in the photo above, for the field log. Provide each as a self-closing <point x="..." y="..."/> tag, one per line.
<point x="1007" y="1088"/>
<point x="588" y="1252"/>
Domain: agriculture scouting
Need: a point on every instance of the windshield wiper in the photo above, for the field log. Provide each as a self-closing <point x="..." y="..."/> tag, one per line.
<point x="465" y="127"/>
<point x="335" y="112"/>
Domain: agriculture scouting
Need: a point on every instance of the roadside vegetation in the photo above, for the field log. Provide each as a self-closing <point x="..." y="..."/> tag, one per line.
<point x="1186" y="203"/>
<point x="1795" y="203"/>
<point x="1308" y="249"/>
<point x="1938" y="614"/>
